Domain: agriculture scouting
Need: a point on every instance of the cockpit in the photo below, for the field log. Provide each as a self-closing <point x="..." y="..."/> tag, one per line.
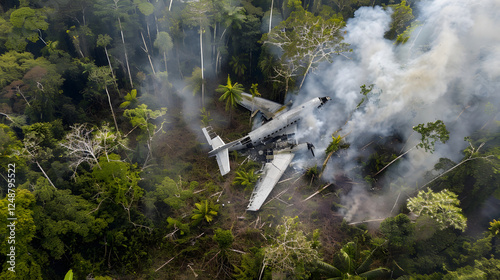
<point x="323" y="100"/>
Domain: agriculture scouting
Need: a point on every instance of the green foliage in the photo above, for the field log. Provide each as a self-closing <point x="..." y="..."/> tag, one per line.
<point x="365" y="90"/>
<point x="290" y="252"/>
<point x="144" y="7"/>
<point x="250" y="266"/>
<point x="349" y="261"/>
<point x="69" y="275"/>
<point x="224" y="238"/>
<point x="441" y="207"/>
<point x="400" y="232"/>
<point x="169" y="192"/>
<point x="40" y="139"/>
<point x="102" y="76"/>
<point x="204" y="210"/>
<point x="118" y="179"/>
<point x="13" y="66"/>
<point x="176" y="224"/>
<point x="25" y="22"/>
<point x="334" y="145"/>
<point x="195" y="81"/>
<point x="205" y="116"/>
<point x="10" y="150"/>
<point x="430" y="133"/>
<point x="401" y="16"/>
<point x="494" y="227"/>
<point x="405" y="36"/>
<point x="142" y="117"/>
<point x="465" y="273"/>
<point x="26" y="264"/>
<point x="312" y="172"/>
<point x="103" y="40"/>
<point x="130" y="99"/>
<point x="305" y="41"/>
<point x="254" y="91"/>
<point x="238" y="65"/>
<point x="163" y="42"/>
<point x="61" y="217"/>
<point x="245" y="178"/>
<point x="231" y="93"/>
<point x="35" y="83"/>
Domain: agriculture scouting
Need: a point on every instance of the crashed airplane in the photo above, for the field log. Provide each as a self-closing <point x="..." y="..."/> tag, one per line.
<point x="273" y="142"/>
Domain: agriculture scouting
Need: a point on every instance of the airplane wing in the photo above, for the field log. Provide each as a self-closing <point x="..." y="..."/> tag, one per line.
<point x="272" y="173"/>
<point x="269" y="108"/>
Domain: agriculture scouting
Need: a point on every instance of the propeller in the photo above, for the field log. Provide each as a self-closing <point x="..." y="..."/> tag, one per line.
<point x="310" y="147"/>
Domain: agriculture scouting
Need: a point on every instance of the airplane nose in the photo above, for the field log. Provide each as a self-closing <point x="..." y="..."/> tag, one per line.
<point x="325" y="99"/>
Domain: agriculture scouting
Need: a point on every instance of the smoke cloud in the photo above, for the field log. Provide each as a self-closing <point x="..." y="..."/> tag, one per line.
<point x="448" y="70"/>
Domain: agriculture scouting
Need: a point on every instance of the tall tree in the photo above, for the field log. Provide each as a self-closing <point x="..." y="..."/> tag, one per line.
<point x="164" y="43"/>
<point x="27" y="24"/>
<point x="119" y="10"/>
<point x="86" y="144"/>
<point x="142" y="118"/>
<point x="442" y="207"/>
<point x="306" y="40"/>
<point x="195" y="83"/>
<point x="104" y="41"/>
<point x="198" y="14"/>
<point x="401" y="16"/>
<point x="103" y="78"/>
<point x="38" y="143"/>
<point x="290" y="252"/>
<point x="231" y="17"/>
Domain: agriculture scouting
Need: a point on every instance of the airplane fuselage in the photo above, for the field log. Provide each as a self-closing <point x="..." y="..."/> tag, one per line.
<point x="277" y="126"/>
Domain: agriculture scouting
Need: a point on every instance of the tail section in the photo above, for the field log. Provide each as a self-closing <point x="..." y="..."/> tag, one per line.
<point x="220" y="150"/>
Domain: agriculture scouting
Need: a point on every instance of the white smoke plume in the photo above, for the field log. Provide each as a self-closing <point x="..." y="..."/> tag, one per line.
<point x="448" y="70"/>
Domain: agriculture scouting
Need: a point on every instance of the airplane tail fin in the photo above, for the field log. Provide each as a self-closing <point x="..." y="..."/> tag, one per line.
<point x="220" y="150"/>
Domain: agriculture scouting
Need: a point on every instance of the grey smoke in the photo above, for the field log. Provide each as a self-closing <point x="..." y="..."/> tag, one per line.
<point x="448" y="70"/>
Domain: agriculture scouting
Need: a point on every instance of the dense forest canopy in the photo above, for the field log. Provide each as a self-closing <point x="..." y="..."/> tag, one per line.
<point x="105" y="172"/>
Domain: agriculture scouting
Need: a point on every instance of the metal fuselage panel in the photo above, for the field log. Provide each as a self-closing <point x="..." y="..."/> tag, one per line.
<point x="275" y="127"/>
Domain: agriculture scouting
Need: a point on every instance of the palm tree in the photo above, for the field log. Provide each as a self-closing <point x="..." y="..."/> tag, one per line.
<point x="238" y="64"/>
<point x="335" y="145"/>
<point x="230" y="93"/>
<point x="348" y="263"/>
<point x="245" y="179"/>
<point x="205" y="210"/>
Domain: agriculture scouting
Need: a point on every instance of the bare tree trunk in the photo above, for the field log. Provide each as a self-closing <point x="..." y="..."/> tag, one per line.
<point x="218" y="57"/>
<point x="271" y="16"/>
<point x="24" y="97"/>
<point x="111" y="69"/>
<point x="149" y="37"/>
<point x="125" y="52"/>
<point x="305" y="74"/>
<point x="112" y="111"/>
<point x="165" y="60"/>
<point x="145" y="49"/>
<point x="202" y="71"/>
<point x="45" y="174"/>
<point x="394" y="161"/>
